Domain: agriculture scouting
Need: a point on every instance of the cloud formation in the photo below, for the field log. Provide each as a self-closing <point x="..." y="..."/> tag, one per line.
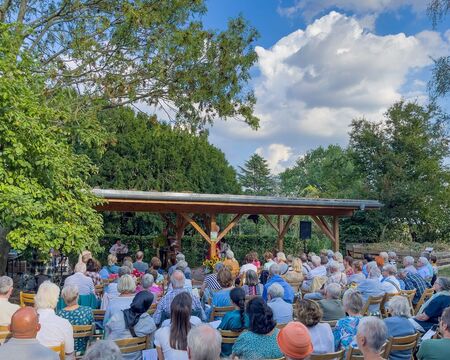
<point x="313" y="82"/>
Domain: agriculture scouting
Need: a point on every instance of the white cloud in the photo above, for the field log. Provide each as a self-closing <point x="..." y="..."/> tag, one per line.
<point x="313" y="82"/>
<point x="311" y="8"/>
<point x="278" y="156"/>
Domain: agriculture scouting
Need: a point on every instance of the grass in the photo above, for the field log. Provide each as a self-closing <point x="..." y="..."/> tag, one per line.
<point x="444" y="272"/>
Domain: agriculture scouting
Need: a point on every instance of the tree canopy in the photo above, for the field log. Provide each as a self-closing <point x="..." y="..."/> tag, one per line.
<point x="255" y="177"/>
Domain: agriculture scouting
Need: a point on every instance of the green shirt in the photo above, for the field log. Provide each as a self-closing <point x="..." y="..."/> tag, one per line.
<point x="434" y="349"/>
<point x="252" y="346"/>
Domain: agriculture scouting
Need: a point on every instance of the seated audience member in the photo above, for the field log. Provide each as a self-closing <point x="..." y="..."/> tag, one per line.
<point x="104" y="350"/>
<point x="260" y="341"/>
<point x="132" y="322"/>
<point x="92" y="271"/>
<point x="332" y="305"/>
<point x="436" y="349"/>
<point x="336" y="276"/>
<point x="337" y="257"/>
<point x="346" y="327"/>
<point x="295" y="273"/>
<point x="126" y="288"/>
<point x="294" y="341"/>
<point x="370" y="337"/>
<point x="203" y="343"/>
<point x="268" y="257"/>
<point x="140" y="265"/>
<point x="423" y="268"/>
<point x="282" y="263"/>
<point x="275" y="277"/>
<point x="398" y="324"/>
<point x="54" y="329"/>
<point x="310" y="315"/>
<point x="111" y="290"/>
<point x="210" y="283"/>
<point x="367" y="259"/>
<point x="282" y="310"/>
<point x="385" y="256"/>
<point x="182" y="266"/>
<point x="222" y="297"/>
<point x="156" y="264"/>
<point x="392" y="258"/>
<point x="171" y="341"/>
<point x="6" y="308"/>
<point x="135" y="273"/>
<point x="148" y="284"/>
<point x="111" y="268"/>
<point x="84" y="283"/>
<point x="358" y="275"/>
<point x="252" y="285"/>
<point x="187" y="270"/>
<point x="23" y="344"/>
<point x="248" y="265"/>
<point x="348" y="266"/>
<point x="235" y="320"/>
<point x="414" y="281"/>
<point x="430" y="312"/>
<point x="163" y="309"/>
<point x="231" y="263"/>
<point x="408" y="264"/>
<point x="76" y="314"/>
<point x="390" y="284"/>
<point x="318" y="270"/>
<point x="371" y="287"/>
<point x="256" y="261"/>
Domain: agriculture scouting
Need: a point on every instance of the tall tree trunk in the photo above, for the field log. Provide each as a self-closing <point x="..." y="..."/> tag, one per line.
<point x="4" y="250"/>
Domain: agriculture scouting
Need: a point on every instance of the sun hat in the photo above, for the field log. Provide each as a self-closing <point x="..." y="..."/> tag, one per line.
<point x="294" y="341"/>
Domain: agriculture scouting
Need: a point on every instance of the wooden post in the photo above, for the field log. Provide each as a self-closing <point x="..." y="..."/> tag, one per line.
<point x="280" y="229"/>
<point x="336" y="232"/>
<point x="213" y="244"/>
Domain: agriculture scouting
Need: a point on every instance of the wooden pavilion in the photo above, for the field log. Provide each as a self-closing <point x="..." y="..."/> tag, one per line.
<point x="324" y="212"/>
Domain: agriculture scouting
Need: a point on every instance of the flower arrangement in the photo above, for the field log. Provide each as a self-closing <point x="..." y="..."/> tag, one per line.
<point x="210" y="264"/>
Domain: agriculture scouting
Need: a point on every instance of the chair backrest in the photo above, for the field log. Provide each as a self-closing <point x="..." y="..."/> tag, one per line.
<point x="60" y="350"/>
<point x="356" y="354"/>
<point x="372" y="300"/>
<point x="220" y="311"/>
<point x="26" y="299"/>
<point x="409" y="294"/>
<point x="229" y="337"/>
<point x="4" y="333"/>
<point x="383" y="308"/>
<point x="99" y="315"/>
<point x="82" y="331"/>
<point x="425" y="296"/>
<point x="132" y="344"/>
<point x="99" y="290"/>
<point x="332" y="323"/>
<point x="280" y="326"/>
<point x="338" y="355"/>
<point x="402" y="343"/>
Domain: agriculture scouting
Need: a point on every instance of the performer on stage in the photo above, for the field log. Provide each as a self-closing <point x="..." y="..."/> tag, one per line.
<point x="119" y="249"/>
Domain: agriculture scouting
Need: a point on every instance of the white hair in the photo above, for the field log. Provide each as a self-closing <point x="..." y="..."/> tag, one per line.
<point x="338" y="256"/>
<point x="315" y="260"/>
<point x="70" y="294"/>
<point x="126" y="284"/>
<point x="229" y="254"/>
<point x="384" y="255"/>
<point x="80" y="267"/>
<point x="6" y="284"/>
<point x="147" y="280"/>
<point x="371" y="265"/>
<point x="281" y="256"/>
<point x="392" y="255"/>
<point x="399" y="306"/>
<point x="47" y="296"/>
<point x="374" y="331"/>
<point x="408" y="260"/>
<point x="275" y="269"/>
<point x="180" y="257"/>
<point x="103" y="349"/>
<point x="334" y="290"/>
<point x="423" y="260"/>
<point x="124" y="270"/>
<point x="352" y="300"/>
<point x="204" y="343"/>
<point x="391" y="269"/>
<point x="275" y="290"/>
<point x="374" y="273"/>
<point x="333" y="266"/>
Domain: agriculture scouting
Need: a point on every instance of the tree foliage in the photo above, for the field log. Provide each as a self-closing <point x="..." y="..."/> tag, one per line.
<point x="150" y="51"/>
<point x="45" y="201"/>
<point x="255" y="177"/>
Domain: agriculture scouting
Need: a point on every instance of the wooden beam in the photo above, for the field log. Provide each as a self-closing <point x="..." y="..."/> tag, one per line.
<point x="322" y="224"/>
<point x="213" y="244"/>
<point x="280" y="239"/>
<point x="336" y="232"/>
<point x="229" y="227"/>
<point x="284" y="229"/>
<point x="196" y="227"/>
<point x="270" y="222"/>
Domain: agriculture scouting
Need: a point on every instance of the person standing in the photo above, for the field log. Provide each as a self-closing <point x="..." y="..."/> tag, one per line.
<point x="119" y="249"/>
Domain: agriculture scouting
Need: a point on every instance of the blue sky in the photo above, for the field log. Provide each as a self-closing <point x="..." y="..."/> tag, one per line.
<point x="351" y="58"/>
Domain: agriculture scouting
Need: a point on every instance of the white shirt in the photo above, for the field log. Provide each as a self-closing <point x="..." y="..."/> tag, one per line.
<point x="6" y="311"/>
<point x="322" y="338"/>
<point x="194" y="320"/>
<point x="55" y="330"/>
<point x="84" y="283"/>
<point x="389" y="287"/>
<point x="162" y="340"/>
<point x="247" y="267"/>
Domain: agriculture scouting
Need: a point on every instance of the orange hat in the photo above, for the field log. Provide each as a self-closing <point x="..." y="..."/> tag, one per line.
<point x="294" y="340"/>
<point x="379" y="260"/>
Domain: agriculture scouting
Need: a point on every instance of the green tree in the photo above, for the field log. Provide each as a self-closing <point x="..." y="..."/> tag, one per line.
<point x="403" y="161"/>
<point x="255" y="177"/>
<point x="45" y="201"/>
<point x="151" y="51"/>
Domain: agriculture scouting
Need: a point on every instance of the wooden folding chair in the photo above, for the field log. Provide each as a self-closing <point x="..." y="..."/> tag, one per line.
<point x="280" y="326"/>
<point x="383" y="308"/>
<point x="229" y="337"/>
<point x="425" y="296"/>
<point x="220" y="311"/>
<point x="402" y="343"/>
<point x="99" y="289"/>
<point x="409" y="294"/>
<point x="83" y="331"/>
<point x="26" y="299"/>
<point x="4" y="333"/>
<point x="60" y="350"/>
<point x="372" y="300"/>
<point x="338" y="355"/>
<point x="356" y="354"/>
<point x="99" y="316"/>
<point x="133" y="344"/>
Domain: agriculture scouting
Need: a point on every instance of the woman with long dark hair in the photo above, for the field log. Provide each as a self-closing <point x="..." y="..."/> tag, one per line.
<point x="260" y="342"/>
<point x="132" y="322"/>
<point x="235" y="320"/>
<point x="171" y="341"/>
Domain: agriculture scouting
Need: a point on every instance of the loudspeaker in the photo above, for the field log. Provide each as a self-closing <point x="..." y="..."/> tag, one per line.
<point x="305" y="230"/>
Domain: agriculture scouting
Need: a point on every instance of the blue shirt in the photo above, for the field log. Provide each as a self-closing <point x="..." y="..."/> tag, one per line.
<point x="282" y="311"/>
<point x="288" y="292"/>
<point x="399" y="326"/>
<point x="370" y="287"/>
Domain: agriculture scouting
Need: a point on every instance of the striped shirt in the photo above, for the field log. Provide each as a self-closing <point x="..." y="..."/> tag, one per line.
<point x="211" y="282"/>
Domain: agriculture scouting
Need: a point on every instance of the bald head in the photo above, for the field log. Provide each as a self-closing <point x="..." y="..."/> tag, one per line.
<point x="25" y="323"/>
<point x="204" y="343"/>
<point x="177" y="279"/>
